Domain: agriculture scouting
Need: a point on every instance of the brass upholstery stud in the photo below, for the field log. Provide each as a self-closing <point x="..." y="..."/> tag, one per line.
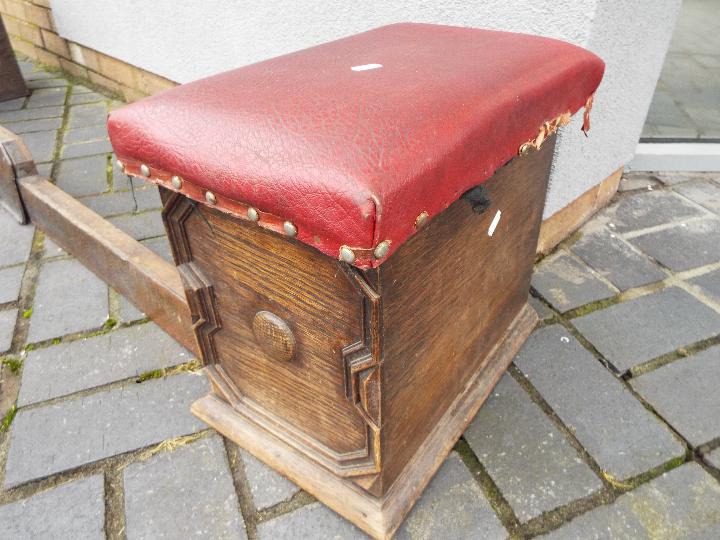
<point x="210" y="197"/>
<point x="347" y="255"/>
<point x="525" y="148"/>
<point x="421" y="219"/>
<point x="252" y="214"/>
<point x="289" y="228"/>
<point x="382" y="249"/>
<point x="176" y="182"/>
<point x="145" y="170"/>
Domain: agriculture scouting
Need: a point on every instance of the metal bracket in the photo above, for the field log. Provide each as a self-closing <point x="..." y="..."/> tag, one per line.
<point x="16" y="162"/>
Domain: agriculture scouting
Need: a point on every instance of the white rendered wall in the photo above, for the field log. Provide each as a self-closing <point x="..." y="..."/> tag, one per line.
<point x="632" y="36"/>
<point x="184" y="40"/>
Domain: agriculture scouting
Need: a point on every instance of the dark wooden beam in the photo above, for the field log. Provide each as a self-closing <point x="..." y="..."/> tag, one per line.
<point x="12" y="84"/>
<point x="15" y="162"/>
<point x="152" y="284"/>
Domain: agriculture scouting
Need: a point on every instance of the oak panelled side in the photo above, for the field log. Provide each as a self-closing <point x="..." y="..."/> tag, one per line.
<point x="449" y="294"/>
<point x="356" y="384"/>
<point x="252" y="294"/>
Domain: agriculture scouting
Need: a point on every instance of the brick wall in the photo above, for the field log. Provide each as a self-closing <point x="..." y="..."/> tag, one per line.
<point x="30" y="26"/>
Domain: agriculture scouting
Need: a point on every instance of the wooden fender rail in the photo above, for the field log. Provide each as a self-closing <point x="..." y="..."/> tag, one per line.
<point x="152" y="284"/>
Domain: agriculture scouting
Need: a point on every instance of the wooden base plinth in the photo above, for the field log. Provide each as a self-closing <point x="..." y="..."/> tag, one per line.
<point x="379" y="517"/>
<point x="566" y="221"/>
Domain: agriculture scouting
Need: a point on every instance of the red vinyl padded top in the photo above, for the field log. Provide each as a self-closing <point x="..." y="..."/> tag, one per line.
<point x="346" y="144"/>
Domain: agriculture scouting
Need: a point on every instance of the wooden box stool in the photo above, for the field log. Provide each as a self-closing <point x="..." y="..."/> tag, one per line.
<point x="356" y="237"/>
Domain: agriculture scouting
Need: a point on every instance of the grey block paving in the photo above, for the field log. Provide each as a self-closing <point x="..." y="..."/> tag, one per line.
<point x="682" y="503"/>
<point x="187" y="493"/>
<point x="122" y="202"/>
<point x="665" y="131"/>
<point x="47" y="97"/>
<point x="44" y="169"/>
<point x="690" y="78"/>
<point x="26" y="67"/>
<point x="638" y="330"/>
<point x="127" y="312"/>
<point x="632" y="181"/>
<point x="709" y="284"/>
<point x="452" y="506"/>
<point x="567" y="283"/>
<point x="648" y="210"/>
<point x="80" y="89"/>
<point x="29" y="114"/>
<point x="615" y="260"/>
<point x="54" y="438"/>
<point x="267" y="487"/>
<point x="41" y="124"/>
<point x="10" y="279"/>
<point x="48" y="82"/>
<point x="160" y="246"/>
<point x="700" y="113"/>
<point x="713" y="458"/>
<point x="674" y="178"/>
<point x="7" y="327"/>
<point x="69" y="298"/>
<point x="12" y="104"/>
<point x="83" y="134"/>
<point x="140" y="226"/>
<point x="666" y="119"/>
<point x="704" y="193"/>
<point x="41" y="145"/>
<point x="72" y="511"/>
<point x="312" y="522"/>
<point x="708" y="60"/>
<point x="52" y="249"/>
<point x="90" y="148"/>
<point x="85" y="97"/>
<point x="87" y="115"/>
<point x="619" y="433"/>
<point x="531" y="462"/>
<point x="682" y="247"/>
<point x="34" y="73"/>
<point x="83" y="176"/>
<point x="686" y="394"/>
<point x="540" y="308"/>
<point x="17" y="249"/>
<point x="71" y="367"/>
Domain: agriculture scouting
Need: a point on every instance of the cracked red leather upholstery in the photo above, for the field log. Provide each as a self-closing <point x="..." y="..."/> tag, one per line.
<point x="353" y="156"/>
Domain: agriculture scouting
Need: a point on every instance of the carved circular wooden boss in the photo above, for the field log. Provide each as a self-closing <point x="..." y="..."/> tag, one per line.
<point x="274" y="336"/>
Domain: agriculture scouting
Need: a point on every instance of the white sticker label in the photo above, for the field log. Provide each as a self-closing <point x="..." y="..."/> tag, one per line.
<point x="494" y="223"/>
<point x="366" y="67"/>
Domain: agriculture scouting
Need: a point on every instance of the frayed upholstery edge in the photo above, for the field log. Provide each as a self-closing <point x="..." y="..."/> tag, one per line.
<point x="586" y="113"/>
<point x="548" y="128"/>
